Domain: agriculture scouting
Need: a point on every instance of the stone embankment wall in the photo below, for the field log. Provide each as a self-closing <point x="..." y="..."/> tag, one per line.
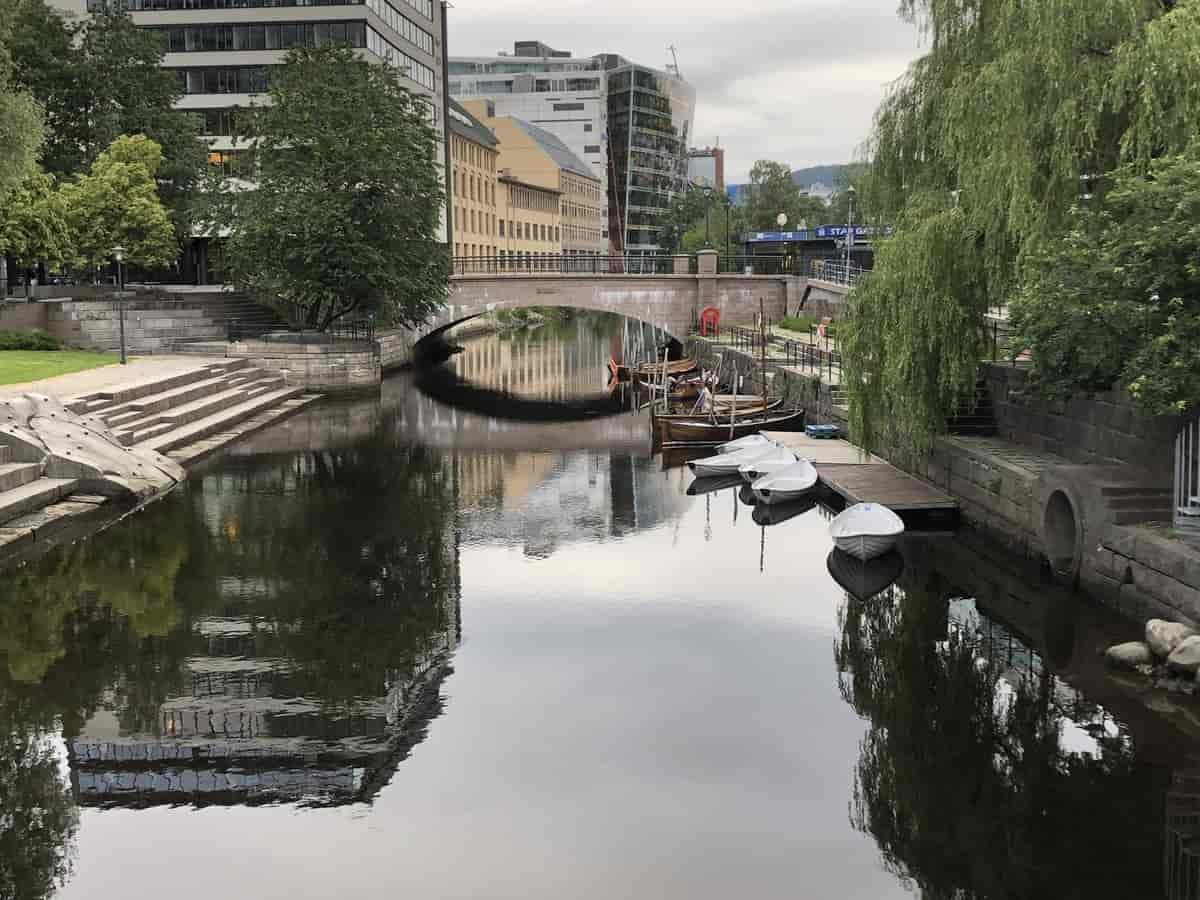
<point x="151" y="326"/>
<point x="343" y="367"/>
<point x="22" y="316"/>
<point x="1105" y="428"/>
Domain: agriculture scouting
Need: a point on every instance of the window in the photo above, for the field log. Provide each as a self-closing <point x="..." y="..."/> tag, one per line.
<point x="472" y="220"/>
<point x="568" y="107"/>
<point x="501" y="228"/>
<point x="587" y="126"/>
<point x="556" y="237"/>
<point x="591" y="148"/>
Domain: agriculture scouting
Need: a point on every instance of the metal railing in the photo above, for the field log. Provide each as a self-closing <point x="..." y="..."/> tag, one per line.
<point x="754" y="265"/>
<point x="1187" y="477"/>
<point x="812" y="357"/>
<point x="566" y="264"/>
<point x="839" y="272"/>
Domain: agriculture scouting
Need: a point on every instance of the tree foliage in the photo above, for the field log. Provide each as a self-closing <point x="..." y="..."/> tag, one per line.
<point x="22" y="128"/>
<point x="100" y="78"/>
<point x="34" y="222"/>
<point x="117" y="204"/>
<point x="345" y="212"/>
<point x="1115" y="297"/>
<point x="771" y="191"/>
<point x="1014" y="102"/>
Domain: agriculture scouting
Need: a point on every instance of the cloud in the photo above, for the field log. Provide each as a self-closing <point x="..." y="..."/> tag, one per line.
<point x="792" y="80"/>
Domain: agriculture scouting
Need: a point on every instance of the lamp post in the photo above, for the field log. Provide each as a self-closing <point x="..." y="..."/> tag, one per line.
<point x="849" y="227"/>
<point x="119" y="254"/>
<point x="727" y="203"/>
<point x="707" y="192"/>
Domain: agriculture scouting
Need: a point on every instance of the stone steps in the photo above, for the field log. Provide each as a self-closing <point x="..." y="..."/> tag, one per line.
<point x="33" y="495"/>
<point x="189" y="454"/>
<point x="220" y="421"/>
<point x="99" y="401"/>
<point x="140" y="430"/>
<point x="13" y="475"/>
<point x="139" y="409"/>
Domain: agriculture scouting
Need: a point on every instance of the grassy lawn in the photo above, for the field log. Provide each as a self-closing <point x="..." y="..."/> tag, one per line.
<point x="17" y="366"/>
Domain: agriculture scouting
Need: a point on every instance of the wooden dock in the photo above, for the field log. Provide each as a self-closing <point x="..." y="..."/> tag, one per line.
<point x="861" y="477"/>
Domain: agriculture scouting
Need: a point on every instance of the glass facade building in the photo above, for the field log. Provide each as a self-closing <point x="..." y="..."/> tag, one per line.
<point x="630" y="123"/>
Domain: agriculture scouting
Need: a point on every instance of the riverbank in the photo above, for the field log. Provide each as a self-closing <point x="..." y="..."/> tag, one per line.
<point x="1056" y="485"/>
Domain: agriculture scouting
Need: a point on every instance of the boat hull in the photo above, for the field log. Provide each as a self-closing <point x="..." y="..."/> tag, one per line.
<point x="705" y="432"/>
<point x="863" y="579"/>
<point x="866" y="546"/>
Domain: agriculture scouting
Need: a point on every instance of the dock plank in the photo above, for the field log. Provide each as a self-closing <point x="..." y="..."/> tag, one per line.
<point x="884" y="484"/>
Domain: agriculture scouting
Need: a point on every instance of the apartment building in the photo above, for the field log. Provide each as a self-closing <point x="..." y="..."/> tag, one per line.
<point x="530" y="232"/>
<point x="534" y="156"/>
<point x="221" y="51"/>
<point x="474" y="184"/>
<point x="630" y="123"/>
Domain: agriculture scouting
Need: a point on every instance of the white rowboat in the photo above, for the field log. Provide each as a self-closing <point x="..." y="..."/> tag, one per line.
<point x="866" y="530"/>
<point x="789" y="483"/>
<point x="744" y="443"/>
<point x="728" y="463"/>
<point x="772" y="461"/>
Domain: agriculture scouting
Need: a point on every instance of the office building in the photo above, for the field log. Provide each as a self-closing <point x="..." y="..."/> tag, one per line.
<point x="475" y="170"/>
<point x="629" y="123"/>
<point x="534" y="160"/>
<point x="222" y="50"/>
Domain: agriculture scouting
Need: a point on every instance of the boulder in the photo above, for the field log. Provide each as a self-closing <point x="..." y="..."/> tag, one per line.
<point x="1186" y="655"/>
<point x="1164" y="636"/>
<point x="1129" y="655"/>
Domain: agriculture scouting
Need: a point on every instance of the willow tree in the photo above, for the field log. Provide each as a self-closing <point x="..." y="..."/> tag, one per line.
<point x="979" y="154"/>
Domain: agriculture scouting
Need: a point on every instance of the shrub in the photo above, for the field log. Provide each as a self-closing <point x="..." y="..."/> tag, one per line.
<point x="797" y="323"/>
<point x="28" y="340"/>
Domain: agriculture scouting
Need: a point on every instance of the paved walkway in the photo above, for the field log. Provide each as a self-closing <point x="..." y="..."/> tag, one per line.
<point x="147" y="368"/>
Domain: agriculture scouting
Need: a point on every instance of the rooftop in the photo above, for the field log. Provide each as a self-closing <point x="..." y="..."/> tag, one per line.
<point x="562" y="155"/>
<point x="467" y="126"/>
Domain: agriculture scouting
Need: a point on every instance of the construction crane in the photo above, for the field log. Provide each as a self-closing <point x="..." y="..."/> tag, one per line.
<point x="674" y="66"/>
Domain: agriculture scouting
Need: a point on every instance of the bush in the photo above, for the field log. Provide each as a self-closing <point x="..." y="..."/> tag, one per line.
<point x="28" y="340"/>
<point x="806" y="325"/>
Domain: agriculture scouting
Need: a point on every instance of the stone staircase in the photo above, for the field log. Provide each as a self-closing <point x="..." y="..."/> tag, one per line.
<point x="184" y="416"/>
<point x="1136" y="502"/>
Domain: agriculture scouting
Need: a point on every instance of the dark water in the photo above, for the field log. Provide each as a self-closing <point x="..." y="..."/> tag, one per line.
<point x="395" y="649"/>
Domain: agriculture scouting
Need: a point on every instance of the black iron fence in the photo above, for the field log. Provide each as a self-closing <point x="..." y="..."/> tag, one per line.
<point x="812" y="357"/>
<point x="777" y="264"/>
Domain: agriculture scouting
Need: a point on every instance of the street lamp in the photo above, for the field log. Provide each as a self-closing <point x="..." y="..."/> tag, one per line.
<point x="781" y="219"/>
<point x="727" y="203"/>
<point x="119" y="254"/>
<point x="707" y="192"/>
<point x="850" y="192"/>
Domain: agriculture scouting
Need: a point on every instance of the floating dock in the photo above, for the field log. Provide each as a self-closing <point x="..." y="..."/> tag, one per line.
<point x="861" y="477"/>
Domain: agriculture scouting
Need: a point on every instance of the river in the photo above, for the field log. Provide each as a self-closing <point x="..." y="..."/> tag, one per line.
<point x="393" y="647"/>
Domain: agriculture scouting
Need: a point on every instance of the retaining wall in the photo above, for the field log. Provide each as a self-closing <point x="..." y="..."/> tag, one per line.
<point x="151" y="325"/>
<point x="22" y="316"/>
<point x="339" y="368"/>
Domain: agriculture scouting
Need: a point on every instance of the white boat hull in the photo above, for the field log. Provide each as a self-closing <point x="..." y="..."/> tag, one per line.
<point x="791" y="482"/>
<point x="865" y="546"/>
<point x="727" y="463"/>
<point x="769" y="496"/>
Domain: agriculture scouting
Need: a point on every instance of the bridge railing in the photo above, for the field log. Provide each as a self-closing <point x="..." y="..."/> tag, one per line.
<point x="837" y="271"/>
<point x="765" y="264"/>
<point x="565" y="264"/>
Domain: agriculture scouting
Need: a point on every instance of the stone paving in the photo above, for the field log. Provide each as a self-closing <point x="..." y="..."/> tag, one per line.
<point x="107" y="378"/>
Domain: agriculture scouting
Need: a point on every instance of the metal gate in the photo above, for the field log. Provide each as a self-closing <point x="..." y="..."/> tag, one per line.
<point x="1187" y="476"/>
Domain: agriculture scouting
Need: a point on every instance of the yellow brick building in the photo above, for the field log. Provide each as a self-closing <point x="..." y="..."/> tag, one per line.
<point x="475" y="190"/>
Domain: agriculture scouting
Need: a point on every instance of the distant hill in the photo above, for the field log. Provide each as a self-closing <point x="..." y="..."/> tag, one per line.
<point x="827" y="175"/>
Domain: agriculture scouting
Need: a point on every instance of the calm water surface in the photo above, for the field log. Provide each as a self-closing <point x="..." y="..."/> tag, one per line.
<point x="390" y="648"/>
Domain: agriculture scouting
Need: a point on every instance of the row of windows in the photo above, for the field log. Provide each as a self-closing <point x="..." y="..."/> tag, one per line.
<point x="281" y="36"/>
<point x="577" y="211"/>
<point x="472" y="187"/>
<point x="469" y="220"/>
<point x="233" y="163"/>
<point x="402" y="25"/>
<point x="425" y="7"/>
<point x="527" y="198"/>
<point x="579" y="188"/>
<point x="231" y="80"/>
<point x="579" y="233"/>
<point x="415" y="69"/>
<point x="216" y="121"/>
<point x="472" y="153"/>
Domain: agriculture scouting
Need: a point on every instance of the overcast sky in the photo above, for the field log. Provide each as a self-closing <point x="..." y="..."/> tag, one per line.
<point x="791" y="80"/>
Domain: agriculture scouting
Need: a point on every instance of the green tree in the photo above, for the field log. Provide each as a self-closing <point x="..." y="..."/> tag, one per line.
<point x="771" y="191"/>
<point x="976" y="157"/>
<point x="1115" y="297"/>
<point x="33" y="222"/>
<point x="117" y="204"/>
<point x="344" y="216"/>
<point x="101" y="78"/>
<point x="686" y="208"/>
<point x="22" y="128"/>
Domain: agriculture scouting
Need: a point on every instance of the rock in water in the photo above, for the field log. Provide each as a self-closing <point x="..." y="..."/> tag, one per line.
<point x="1164" y="636"/>
<point x="1129" y="655"/>
<point x="1186" y="655"/>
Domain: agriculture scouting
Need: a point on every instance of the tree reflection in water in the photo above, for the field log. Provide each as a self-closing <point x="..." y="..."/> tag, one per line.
<point x="964" y="779"/>
<point x="324" y="582"/>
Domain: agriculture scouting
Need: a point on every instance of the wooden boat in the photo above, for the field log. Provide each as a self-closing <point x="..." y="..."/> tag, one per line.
<point x="863" y="579"/>
<point x="775" y="459"/>
<point x="702" y="430"/>
<point x="789" y="483"/>
<point x="675" y="367"/>
<point x="866" y="530"/>
<point x="726" y="463"/>
<point x="659" y="420"/>
<point x="776" y="513"/>
<point x="711" y="483"/>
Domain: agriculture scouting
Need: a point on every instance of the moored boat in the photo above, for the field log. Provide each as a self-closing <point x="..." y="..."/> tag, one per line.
<point x="702" y="430"/>
<point x="660" y="422"/>
<point x="709" y="484"/>
<point x="789" y="483"/>
<point x="726" y="463"/>
<point x="749" y="440"/>
<point x="776" y="458"/>
<point x="866" y="530"/>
